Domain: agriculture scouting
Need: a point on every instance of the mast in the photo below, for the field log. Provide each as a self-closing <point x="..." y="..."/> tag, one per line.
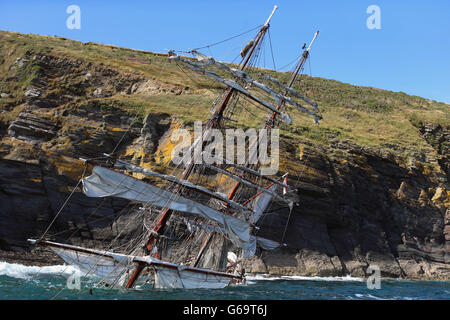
<point x="302" y="62"/>
<point x="212" y="123"/>
<point x="269" y="125"/>
<point x="298" y="69"/>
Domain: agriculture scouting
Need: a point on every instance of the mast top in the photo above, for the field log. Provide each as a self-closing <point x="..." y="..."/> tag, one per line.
<point x="271" y="15"/>
<point x="314" y="39"/>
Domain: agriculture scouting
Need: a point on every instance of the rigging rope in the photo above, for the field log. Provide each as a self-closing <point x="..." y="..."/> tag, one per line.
<point x="296" y="59"/>
<point x="217" y="43"/>
<point x="67" y="200"/>
<point x="271" y="50"/>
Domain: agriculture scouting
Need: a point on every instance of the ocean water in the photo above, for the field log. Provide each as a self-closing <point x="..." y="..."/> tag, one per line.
<point x="38" y="283"/>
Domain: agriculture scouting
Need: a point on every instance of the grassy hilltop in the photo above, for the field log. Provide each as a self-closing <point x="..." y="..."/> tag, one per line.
<point x="363" y="115"/>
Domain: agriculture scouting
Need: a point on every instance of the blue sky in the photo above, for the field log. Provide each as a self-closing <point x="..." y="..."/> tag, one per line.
<point x="410" y="53"/>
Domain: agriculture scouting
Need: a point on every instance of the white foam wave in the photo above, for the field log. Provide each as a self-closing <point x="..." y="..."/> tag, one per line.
<point x="368" y="296"/>
<point x="20" y="271"/>
<point x="266" y="277"/>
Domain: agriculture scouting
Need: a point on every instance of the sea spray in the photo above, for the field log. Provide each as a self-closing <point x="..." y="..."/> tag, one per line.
<point x="35" y="283"/>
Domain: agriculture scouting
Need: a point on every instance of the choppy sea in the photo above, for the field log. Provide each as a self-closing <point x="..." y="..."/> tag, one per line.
<point x="45" y="283"/>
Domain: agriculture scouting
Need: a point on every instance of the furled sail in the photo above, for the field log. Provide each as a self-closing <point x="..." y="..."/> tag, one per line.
<point x="104" y="183"/>
<point x="236" y="86"/>
<point x="247" y="47"/>
<point x="292" y="91"/>
<point x="244" y="76"/>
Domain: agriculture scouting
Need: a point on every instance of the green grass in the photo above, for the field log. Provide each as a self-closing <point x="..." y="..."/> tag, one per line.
<point x="362" y="115"/>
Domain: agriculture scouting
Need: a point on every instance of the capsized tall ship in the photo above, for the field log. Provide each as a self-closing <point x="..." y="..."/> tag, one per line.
<point x="194" y="236"/>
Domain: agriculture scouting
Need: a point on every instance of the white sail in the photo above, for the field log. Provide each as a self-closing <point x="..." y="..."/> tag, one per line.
<point x="109" y="268"/>
<point x="180" y="278"/>
<point x="250" y="248"/>
<point x="267" y="244"/>
<point x="104" y="183"/>
<point x="113" y="268"/>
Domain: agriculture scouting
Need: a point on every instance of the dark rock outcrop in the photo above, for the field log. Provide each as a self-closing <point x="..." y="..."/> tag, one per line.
<point x="357" y="207"/>
<point x="31" y="197"/>
<point x="22" y="201"/>
<point x="357" y="210"/>
<point x="31" y="126"/>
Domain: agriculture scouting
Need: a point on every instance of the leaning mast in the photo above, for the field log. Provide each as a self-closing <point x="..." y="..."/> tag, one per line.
<point x="212" y="123"/>
<point x="271" y="121"/>
<point x="269" y="125"/>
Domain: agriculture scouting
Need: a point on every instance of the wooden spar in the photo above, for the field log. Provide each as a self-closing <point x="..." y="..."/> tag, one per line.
<point x="271" y="15"/>
<point x="256" y="173"/>
<point x="257" y="194"/>
<point x="246" y="182"/>
<point x="260" y="192"/>
<point x="258" y="38"/>
<point x="302" y="62"/>
<point x="214" y="121"/>
<point x="299" y="67"/>
<point x="202" y="249"/>
<point x="314" y="39"/>
<point x="103" y="254"/>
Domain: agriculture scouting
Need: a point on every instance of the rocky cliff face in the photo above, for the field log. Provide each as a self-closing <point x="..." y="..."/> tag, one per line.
<point x="360" y="208"/>
<point x="359" y="205"/>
